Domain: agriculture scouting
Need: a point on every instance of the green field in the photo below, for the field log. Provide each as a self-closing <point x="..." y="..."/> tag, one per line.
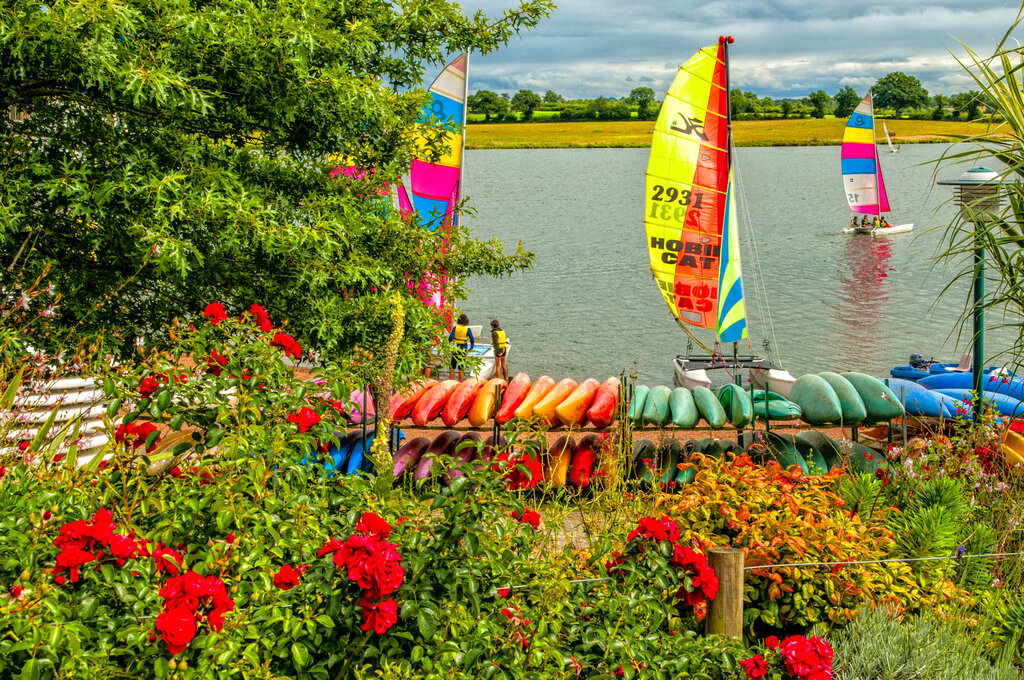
<point x="633" y="133"/>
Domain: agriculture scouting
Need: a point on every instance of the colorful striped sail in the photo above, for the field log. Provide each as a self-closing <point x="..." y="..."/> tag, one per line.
<point x="436" y="186"/>
<point x="862" y="176"/>
<point x="690" y="218"/>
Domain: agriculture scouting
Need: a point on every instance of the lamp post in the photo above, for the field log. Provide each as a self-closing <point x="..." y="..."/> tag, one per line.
<point x="977" y="193"/>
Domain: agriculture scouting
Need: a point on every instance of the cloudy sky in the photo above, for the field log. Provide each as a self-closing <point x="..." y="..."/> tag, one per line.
<point x="783" y="48"/>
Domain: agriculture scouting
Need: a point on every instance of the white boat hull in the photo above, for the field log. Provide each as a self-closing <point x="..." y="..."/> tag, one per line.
<point x="881" y="231"/>
<point x="691" y="377"/>
<point x="777" y="380"/>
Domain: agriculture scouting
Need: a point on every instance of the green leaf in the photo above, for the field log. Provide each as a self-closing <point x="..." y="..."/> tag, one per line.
<point x="300" y="655"/>
<point x="325" y="621"/>
<point x="30" y="671"/>
<point x="427" y="624"/>
<point x="8" y="398"/>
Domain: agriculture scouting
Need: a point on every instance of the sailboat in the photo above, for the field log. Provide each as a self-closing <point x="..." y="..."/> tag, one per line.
<point x="862" y="173"/>
<point x="888" y="139"/>
<point x="690" y="219"/>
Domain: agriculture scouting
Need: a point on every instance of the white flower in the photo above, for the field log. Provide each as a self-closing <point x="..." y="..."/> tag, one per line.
<point x="24" y="300"/>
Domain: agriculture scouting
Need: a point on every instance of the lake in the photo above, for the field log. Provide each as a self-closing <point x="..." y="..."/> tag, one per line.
<point x="822" y="299"/>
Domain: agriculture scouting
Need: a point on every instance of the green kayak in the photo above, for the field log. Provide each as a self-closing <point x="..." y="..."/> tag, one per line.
<point x="765" y="446"/>
<point x="850" y="402"/>
<point x="827" y="448"/>
<point x="709" y="407"/>
<point x="656" y="407"/>
<point x="669" y="452"/>
<point x="778" y="407"/>
<point x="636" y="407"/>
<point x="880" y="402"/>
<point x="866" y="459"/>
<point x="683" y="408"/>
<point x="818" y="402"/>
<point x="643" y="450"/>
<point x="736" y="404"/>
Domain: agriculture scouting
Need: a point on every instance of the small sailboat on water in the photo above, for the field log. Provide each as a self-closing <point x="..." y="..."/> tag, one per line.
<point x="862" y="174"/>
<point x="888" y="139"/>
<point x="690" y="219"/>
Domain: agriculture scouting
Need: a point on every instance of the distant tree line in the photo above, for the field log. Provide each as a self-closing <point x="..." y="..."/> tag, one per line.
<point x="896" y="95"/>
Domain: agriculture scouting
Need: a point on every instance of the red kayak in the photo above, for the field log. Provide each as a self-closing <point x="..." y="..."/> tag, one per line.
<point x="514" y="394"/>
<point x="443" y="445"/>
<point x="461" y="398"/>
<point x="582" y="469"/>
<point x="606" y="402"/>
<point x="402" y="403"/>
<point x="430" y="404"/>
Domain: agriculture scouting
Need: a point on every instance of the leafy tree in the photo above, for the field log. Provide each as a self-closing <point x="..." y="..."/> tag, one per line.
<point x="787" y="108"/>
<point x="526" y="102"/>
<point x="643" y="99"/>
<point x="738" y="102"/>
<point x="898" y="91"/>
<point x="487" y="103"/>
<point x="166" y="157"/>
<point x="821" y="103"/>
<point x="941" y="102"/>
<point x="552" y="97"/>
<point x="846" y="101"/>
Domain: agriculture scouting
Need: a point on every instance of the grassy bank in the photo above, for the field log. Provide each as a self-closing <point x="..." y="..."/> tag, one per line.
<point x="632" y="133"/>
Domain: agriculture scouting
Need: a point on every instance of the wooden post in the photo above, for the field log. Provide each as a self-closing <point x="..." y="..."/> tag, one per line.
<point x="725" y="612"/>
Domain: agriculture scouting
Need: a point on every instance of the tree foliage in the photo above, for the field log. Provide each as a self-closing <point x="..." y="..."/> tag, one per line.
<point x="552" y="97"/>
<point x="846" y="101"/>
<point x="821" y="103"/>
<point x="526" y="102"/>
<point x="158" y="158"/>
<point x="488" y="103"/>
<point x="898" y="91"/>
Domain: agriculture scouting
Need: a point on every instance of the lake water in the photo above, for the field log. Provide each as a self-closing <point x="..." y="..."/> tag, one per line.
<point x="824" y="300"/>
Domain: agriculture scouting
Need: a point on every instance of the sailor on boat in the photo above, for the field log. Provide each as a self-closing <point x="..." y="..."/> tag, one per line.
<point x="864" y="222"/>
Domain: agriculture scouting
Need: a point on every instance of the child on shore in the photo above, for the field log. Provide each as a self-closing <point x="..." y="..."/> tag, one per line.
<point x="499" y="341"/>
<point x="464" y="341"/>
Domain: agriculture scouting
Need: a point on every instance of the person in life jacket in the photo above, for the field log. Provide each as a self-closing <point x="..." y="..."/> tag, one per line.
<point x="499" y="341"/>
<point x="462" y="336"/>
<point x="875" y="223"/>
<point x="884" y="223"/>
<point x="853" y="222"/>
<point x="864" y="222"/>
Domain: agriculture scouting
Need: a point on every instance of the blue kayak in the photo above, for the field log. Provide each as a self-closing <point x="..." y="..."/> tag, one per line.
<point x="1010" y="385"/>
<point x="922" y="402"/>
<point x="915" y="373"/>
<point x="1003" y="404"/>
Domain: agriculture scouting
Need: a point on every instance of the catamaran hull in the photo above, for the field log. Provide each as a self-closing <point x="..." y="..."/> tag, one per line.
<point x="777" y="380"/>
<point x="690" y="377"/>
<point x="881" y="231"/>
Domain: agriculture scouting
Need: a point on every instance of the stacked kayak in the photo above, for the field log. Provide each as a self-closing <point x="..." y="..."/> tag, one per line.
<point x="685" y="408"/>
<point x="844" y="399"/>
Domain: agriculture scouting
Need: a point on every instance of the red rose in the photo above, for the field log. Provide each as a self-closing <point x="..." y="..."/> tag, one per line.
<point x="332" y="545"/>
<point x="262" y="318"/>
<point x="177" y="626"/>
<point x="167" y="560"/>
<point x="149" y="385"/>
<point x="379" y="616"/>
<point x="528" y="517"/>
<point x="503" y="593"/>
<point x="305" y="418"/>
<point x="215" y="362"/>
<point x="288" y="344"/>
<point x="771" y="642"/>
<point x="371" y="524"/>
<point x="515" y="476"/>
<point x="756" y="667"/>
<point x="286" y="577"/>
<point x="215" y="313"/>
<point x="16" y="591"/>
<point x="372" y="563"/>
<point x="134" y="434"/>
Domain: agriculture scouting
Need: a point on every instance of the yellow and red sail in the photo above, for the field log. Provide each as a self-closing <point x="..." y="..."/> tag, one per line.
<point x="690" y="220"/>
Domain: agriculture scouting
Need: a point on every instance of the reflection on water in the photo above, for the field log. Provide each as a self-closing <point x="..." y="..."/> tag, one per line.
<point x="862" y="308"/>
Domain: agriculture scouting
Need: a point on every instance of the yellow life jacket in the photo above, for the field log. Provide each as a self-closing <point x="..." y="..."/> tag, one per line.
<point x="502" y="339"/>
<point x="461" y="335"/>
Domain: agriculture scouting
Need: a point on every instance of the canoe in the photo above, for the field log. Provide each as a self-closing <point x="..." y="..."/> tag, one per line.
<point x="443" y="445"/>
<point x="462" y="453"/>
<point x="538" y="391"/>
<point x="736" y="403"/>
<point x="408" y="455"/>
<point x="457" y="406"/>
<point x="559" y="459"/>
<point x="774" y="406"/>
<point x="514" y="395"/>
<point x="636" y="406"/>
<point x="605" y="407"/>
<point x="606" y="461"/>
<point x="708" y="406"/>
<point x="643" y="450"/>
<point x="683" y="408"/>
<point x="1002" y="404"/>
<point x="545" y="408"/>
<point x="402" y="403"/>
<point x="485" y="453"/>
<point x="669" y="453"/>
<point x="879" y="401"/>
<point x="1013" y="447"/>
<point x="826" y="447"/>
<point x="483" y="404"/>
<point x="572" y="412"/>
<point x="850" y="402"/>
<point x="429" y="406"/>
<point x="818" y="402"/>
<point x="765" y="446"/>
<point x="814" y="460"/>
<point x="1010" y="385"/>
<point x="582" y="468"/>
<point x="865" y="459"/>
<point x="920" y="401"/>
<point x="656" y="406"/>
<point x="337" y="455"/>
<point x="359" y="458"/>
<point x="358" y="399"/>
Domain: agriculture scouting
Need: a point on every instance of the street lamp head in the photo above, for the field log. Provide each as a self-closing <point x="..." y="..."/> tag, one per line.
<point x="977" y="192"/>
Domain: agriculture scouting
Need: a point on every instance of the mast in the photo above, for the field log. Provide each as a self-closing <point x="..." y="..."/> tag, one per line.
<point x="462" y="153"/>
<point x="725" y="41"/>
<point x="878" y="165"/>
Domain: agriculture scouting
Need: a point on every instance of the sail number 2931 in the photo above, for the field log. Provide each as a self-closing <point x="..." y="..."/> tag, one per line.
<point x="673" y="195"/>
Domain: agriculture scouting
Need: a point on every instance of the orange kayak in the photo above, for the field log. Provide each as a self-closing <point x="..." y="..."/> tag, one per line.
<point x="430" y="404"/>
<point x="605" y="465"/>
<point x="573" y="409"/>
<point x="486" y="398"/>
<point x="539" y="390"/>
<point x="603" y="410"/>
<point x="461" y="398"/>
<point x="558" y="461"/>
<point x="545" y="408"/>
<point x="402" y="402"/>
<point x="514" y="395"/>
<point x="583" y="461"/>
